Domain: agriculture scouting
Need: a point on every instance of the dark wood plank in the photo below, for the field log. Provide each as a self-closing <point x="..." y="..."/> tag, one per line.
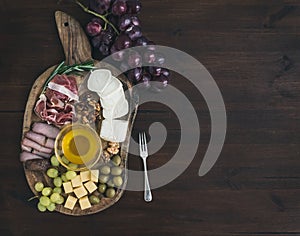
<point x="250" y="47"/>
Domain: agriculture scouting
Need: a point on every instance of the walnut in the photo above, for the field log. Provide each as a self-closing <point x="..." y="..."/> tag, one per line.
<point x="79" y="106"/>
<point x="112" y="150"/>
<point x="114" y="144"/>
<point x="106" y="156"/>
<point x="85" y="120"/>
<point x="97" y="106"/>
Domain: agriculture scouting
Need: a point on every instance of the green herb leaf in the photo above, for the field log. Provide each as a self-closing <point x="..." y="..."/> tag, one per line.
<point x="65" y="69"/>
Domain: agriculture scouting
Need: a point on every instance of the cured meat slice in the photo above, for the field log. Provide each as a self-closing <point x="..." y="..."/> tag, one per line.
<point x="29" y="143"/>
<point x="38" y="138"/>
<point x="42" y="154"/>
<point x="49" y="143"/>
<point x="25" y="156"/>
<point x="48" y="130"/>
<point x="25" y="148"/>
<point x="54" y="106"/>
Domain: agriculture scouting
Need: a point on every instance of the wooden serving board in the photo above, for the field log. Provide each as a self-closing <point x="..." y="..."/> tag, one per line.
<point x="77" y="50"/>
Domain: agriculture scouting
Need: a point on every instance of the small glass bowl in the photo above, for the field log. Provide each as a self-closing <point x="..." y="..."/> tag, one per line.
<point x="65" y="143"/>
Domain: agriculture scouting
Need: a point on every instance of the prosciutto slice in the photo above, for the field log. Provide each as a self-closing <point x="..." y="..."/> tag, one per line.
<point x="25" y="156"/>
<point x="31" y="144"/>
<point x="55" y="105"/>
<point x="42" y="154"/>
<point x="47" y="130"/>
<point x="39" y="142"/>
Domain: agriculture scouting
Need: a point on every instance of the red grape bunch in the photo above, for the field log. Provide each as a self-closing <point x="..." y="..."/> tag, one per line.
<point x="118" y="27"/>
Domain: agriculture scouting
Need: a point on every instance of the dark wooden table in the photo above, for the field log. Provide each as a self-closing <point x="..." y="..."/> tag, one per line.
<point x="252" y="49"/>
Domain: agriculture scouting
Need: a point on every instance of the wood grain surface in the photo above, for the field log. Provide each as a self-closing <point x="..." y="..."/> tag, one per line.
<point x="252" y="50"/>
<point x="77" y="50"/>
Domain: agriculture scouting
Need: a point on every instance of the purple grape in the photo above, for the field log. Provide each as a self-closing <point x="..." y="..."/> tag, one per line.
<point x="155" y="71"/>
<point x="107" y="37"/>
<point x="135" y="21"/>
<point x="160" y="59"/>
<point x="93" y="28"/>
<point x="113" y="20"/>
<point x="104" y="49"/>
<point x="134" y="59"/>
<point x="100" y="6"/>
<point x="96" y="41"/>
<point x="149" y="56"/>
<point x="165" y="72"/>
<point x="145" y="80"/>
<point x="113" y="49"/>
<point x="163" y="83"/>
<point x="124" y="66"/>
<point x="118" y="56"/>
<point x="135" y="74"/>
<point x="134" y="32"/>
<point x="124" y="22"/>
<point x="119" y="7"/>
<point x="141" y="41"/>
<point x="98" y="20"/>
<point x="123" y="42"/>
<point x="133" y="6"/>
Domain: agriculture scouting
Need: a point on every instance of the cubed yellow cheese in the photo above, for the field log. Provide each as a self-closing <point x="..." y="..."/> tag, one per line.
<point x="94" y="175"/>
<point x="68" y="187"/>
<point x="84" y="203"/>
<point x="90" y="186"/>
<point x="80" y="192"/>
<point x="70" y="202"/>
<point x="76" y="182"/>
<point x="85" y="175"/>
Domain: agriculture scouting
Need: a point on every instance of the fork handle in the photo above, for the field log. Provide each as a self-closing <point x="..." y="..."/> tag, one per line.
<point x="147" y="192"/>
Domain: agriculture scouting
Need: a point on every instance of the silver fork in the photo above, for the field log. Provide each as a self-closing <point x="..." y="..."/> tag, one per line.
<point x="144" y="155"/>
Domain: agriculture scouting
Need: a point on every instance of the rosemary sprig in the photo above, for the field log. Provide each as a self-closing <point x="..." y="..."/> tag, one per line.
<point x="62" y="68"/>
<point x="103" y="17"/>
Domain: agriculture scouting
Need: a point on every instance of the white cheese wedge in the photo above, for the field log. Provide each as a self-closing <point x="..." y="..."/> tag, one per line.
<point x="70" y="202"/>
<point x="85" y="175"/>
<point x="98" y="80"/>
<point x="120" y="109"/>
<point x="80" y="192"/>
<point x="76" y="182"/>
<point x="68" y="187"/>
<point x="90" y="186"/>
<point x="95" y="175"/>
<point x="114" y="130"/>
<point x="113" y="85"/>
<point x="112" y="99"/>
<point x="84" y="203"/>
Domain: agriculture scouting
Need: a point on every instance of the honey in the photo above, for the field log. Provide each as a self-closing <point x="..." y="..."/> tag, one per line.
<point x="79" y="145"/>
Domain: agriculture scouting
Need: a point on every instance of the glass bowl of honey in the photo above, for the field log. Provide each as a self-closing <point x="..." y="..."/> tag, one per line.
<point x="78" y="147"/>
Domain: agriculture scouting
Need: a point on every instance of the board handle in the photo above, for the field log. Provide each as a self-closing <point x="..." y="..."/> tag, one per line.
<point x="75" y="43"/>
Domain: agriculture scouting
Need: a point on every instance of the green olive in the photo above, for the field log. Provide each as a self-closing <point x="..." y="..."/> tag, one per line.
<point x="102" y="188"/>
<point x="103" y="179"/>
<point x="64" y="178"/>
<point x="110" y="183"/>
<point x="105" y="170"/>
<point x="118" y="181"/>
<point x="116" y="160"/>
<point x="110" y="192"/>
<point x="72" y="166"/>
<point x="94" y="199"/>
<point x="116" y="170"/>
<point x="65" y="160"/>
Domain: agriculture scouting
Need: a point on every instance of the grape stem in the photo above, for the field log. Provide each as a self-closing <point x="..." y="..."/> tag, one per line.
<point x="86" y="9"/>
<point x="34" y="197"/>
